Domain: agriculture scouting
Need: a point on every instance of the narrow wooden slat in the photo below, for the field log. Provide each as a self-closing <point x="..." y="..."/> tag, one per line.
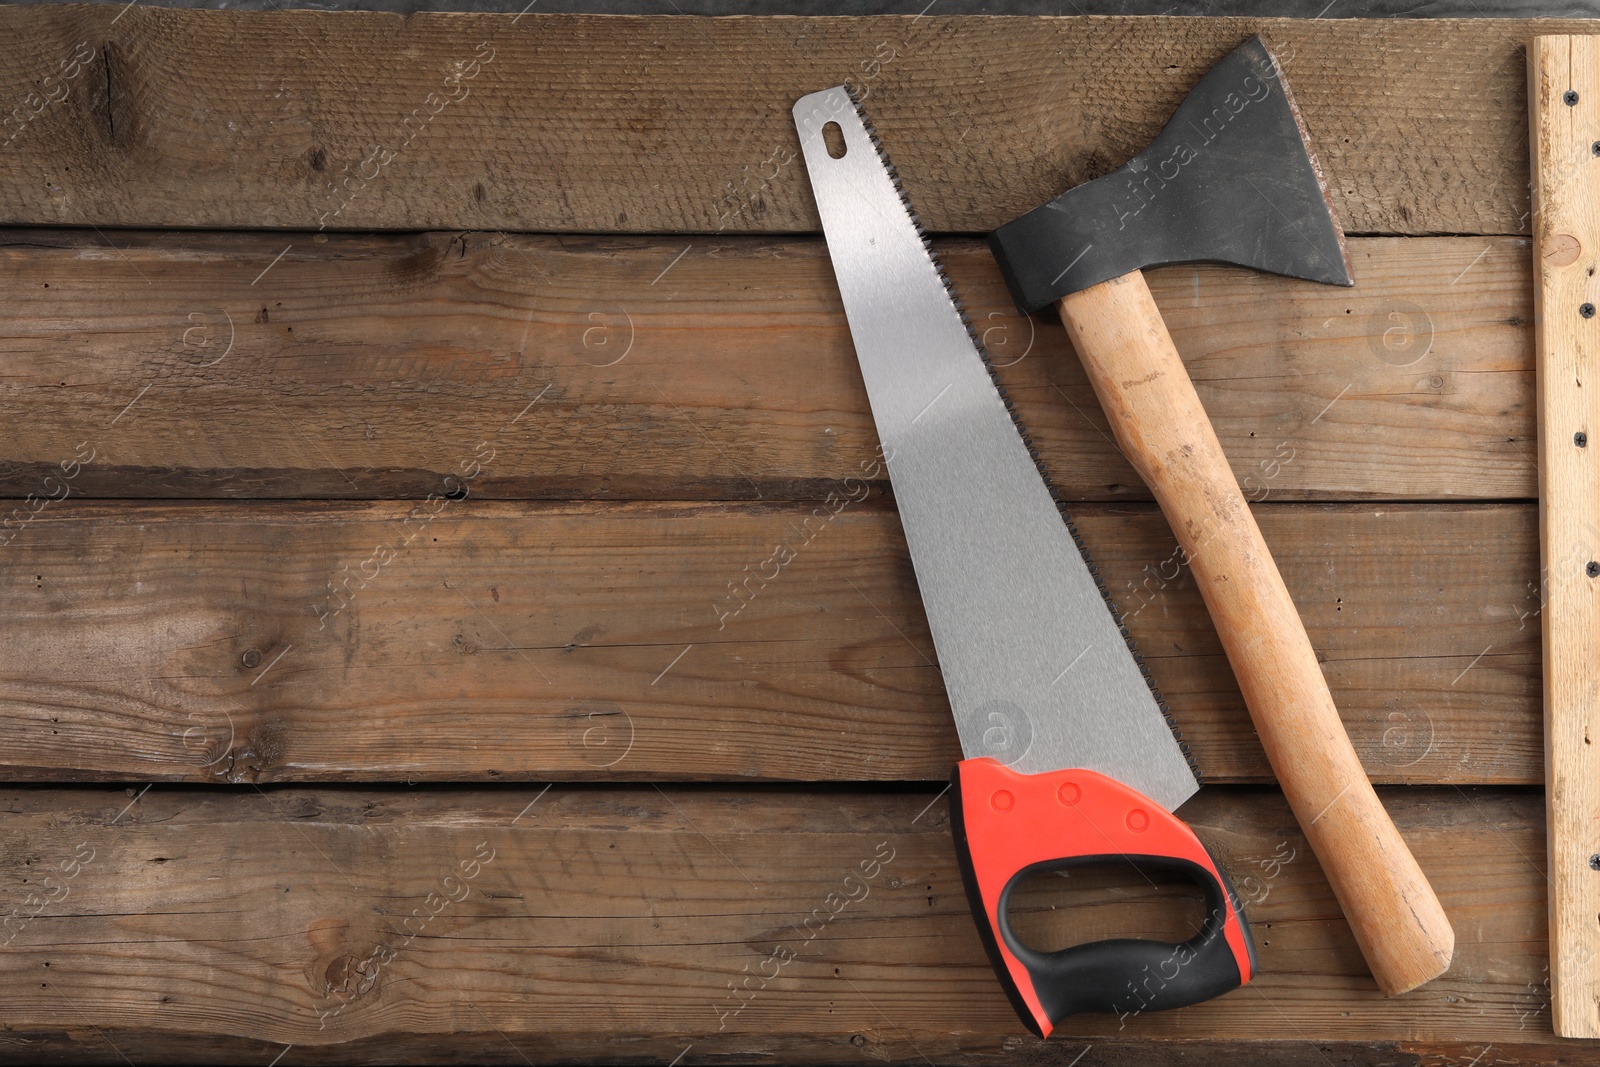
<point x="1564" y="97"/>
<point x="603" y="922"/>
<point x="155" y="117"/>
<point x="261" y="642"/>
<point x="372" y="367"/>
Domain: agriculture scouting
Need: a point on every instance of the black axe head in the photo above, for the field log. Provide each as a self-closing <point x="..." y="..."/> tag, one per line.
<point x="1231" y="178"/>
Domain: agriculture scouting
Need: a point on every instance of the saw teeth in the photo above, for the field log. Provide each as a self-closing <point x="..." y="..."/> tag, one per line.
<point x="1005" y="398"/>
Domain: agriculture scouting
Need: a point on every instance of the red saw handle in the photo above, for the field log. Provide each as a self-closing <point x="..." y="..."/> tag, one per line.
<point x="1009" y="825"/>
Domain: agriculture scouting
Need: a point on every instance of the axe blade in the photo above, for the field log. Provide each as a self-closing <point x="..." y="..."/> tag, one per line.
<point x="1231" y="178"/>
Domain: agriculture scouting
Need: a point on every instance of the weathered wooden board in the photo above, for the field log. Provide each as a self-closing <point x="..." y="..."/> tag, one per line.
<point x="470" y="640"/>
<point x="603" y="922"/>
<point x="205" y="364"/>
<point x="448" y="639"/>
<point x="150" y="117"/>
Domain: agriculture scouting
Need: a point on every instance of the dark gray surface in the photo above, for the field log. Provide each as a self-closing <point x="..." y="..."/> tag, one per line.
<point x="1229" y="179"/>
<point x="1254" y="8"/>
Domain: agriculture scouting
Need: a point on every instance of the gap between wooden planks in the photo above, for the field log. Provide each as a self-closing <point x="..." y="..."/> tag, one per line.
<point x="205" y="365"/>
<point x="282" y="641"/>
<point x="295" y="120"/>
<point x="599" y="922"/>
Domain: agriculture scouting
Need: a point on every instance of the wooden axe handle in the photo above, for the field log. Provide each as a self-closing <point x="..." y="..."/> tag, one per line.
<point x="1162" y="429"/>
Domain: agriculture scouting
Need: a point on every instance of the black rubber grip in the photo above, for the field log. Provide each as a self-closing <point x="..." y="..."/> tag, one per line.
<point x="1127" y="976"/>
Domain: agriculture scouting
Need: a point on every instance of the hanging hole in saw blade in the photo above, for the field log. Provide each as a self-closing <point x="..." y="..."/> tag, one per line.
<point x="1051" y="910"/>
<point x="833" y="138"/>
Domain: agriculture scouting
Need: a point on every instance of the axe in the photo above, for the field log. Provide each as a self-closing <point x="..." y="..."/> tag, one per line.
<point x="1230" y="179"/>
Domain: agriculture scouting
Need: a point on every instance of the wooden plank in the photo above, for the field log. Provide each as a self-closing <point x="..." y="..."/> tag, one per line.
<point x="602" y="922"/>
<point x="495" y="641"/>
<point x="303" y="119"/>
<point x="1564" y="98"/>
<point x="68" y="1046"/>
<point x="685" y="368"/>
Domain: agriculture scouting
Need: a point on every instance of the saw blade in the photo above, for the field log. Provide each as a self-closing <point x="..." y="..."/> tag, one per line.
<point x="1038" y="669"/>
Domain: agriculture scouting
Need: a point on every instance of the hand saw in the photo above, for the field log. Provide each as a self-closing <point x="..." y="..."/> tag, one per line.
<point x="1070" y="759"/>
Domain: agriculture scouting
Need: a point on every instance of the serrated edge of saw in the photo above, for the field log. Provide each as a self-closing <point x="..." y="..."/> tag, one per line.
<point x="1022" y="431"/>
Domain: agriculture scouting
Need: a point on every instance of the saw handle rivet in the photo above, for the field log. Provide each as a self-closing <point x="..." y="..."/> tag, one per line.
<point x="1593" y="569"/>
<point x="1002" y="800"/>
<point x="1594" y="863"/>
<point x="1138" y="820"/>
<point x="1580" y="439"/>
<point x="1069" y="793"/>
<point x="1570" y="98"/>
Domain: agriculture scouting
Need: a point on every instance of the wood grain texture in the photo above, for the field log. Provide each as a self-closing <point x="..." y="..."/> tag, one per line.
<point x="300" y="120"/>
<point x="204" y="365"/>
<point x="593" y="923"/>
<point x="1164" y="431"/>
<point x="1564" y="95"/>
<point x="527" y="641"/>
<point x="441" y="639"/>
